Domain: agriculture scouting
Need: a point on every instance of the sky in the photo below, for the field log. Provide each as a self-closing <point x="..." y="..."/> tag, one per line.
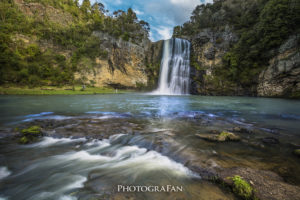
<point x="162" y="15"/>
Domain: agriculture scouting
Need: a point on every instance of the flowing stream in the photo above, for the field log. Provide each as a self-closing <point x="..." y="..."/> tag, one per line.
<point x="93" y="143"/>
<point x="174" y="78"/>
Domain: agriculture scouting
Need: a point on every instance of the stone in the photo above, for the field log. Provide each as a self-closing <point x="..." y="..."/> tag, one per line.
<point x="222" y="137"/>
<point x="266" y="184"/>
<point x="270" y="140"/>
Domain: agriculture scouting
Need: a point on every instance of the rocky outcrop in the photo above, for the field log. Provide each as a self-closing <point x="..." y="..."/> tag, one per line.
<point x="282" y="76"/>
<point x="279" y="79"/>
<point x="267" y="185"/>
<point x="208" y="48"/>
<point x="45" y="12"/>
<point x="153" y="60"/>
<point x="124" y="66"/>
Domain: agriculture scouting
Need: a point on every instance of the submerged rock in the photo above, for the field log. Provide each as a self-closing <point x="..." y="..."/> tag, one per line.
<point x="222" y="137"/>
<point x="270" y="140"/>
<point x="241" y="130"/>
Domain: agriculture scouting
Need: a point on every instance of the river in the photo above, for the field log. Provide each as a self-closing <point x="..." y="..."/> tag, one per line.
<point x="93" y="143"/>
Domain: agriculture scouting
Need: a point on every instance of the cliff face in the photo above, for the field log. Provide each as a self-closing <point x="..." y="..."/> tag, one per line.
<point x="279" y="79"/>
<point x="282" y="76"/>
<point x="124" y="66"/>
<point x="207" y="49"/>
<point x="244" y="48"/>
<point x="61" y="43"/>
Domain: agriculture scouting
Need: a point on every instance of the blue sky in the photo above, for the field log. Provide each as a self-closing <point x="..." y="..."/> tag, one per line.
<point x="162" y="15"/>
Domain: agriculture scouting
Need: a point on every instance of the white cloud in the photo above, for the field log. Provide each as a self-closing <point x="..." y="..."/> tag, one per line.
<point x="162" y="15"/>
<point x="164" y="32"/>
<point x="138" y="12"/>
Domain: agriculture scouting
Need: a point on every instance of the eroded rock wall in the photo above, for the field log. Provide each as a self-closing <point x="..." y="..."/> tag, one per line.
<point x="282" y="77"/>
<point x="124" y="67"/>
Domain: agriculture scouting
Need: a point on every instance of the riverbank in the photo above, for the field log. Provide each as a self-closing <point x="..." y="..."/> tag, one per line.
<point x="66" y="90"/>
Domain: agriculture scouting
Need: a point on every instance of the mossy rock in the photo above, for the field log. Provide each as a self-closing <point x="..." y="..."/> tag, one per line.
<point x="222" y="137"/>
<point x="297" y="152"/>
<point x="24" y="140"/>
<point x="30" y="134"/>
<point x="242" y="188"/>
<point x="33" y="130"/>
<point x="227" y="136"/>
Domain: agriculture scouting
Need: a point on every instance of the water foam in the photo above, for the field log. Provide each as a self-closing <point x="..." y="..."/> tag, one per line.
<point x="50" y="141"/>
<point x="4" y="172"/>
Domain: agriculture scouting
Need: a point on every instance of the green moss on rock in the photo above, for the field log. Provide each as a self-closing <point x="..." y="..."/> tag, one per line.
<point x="30" y="134"/>
<point x="33" y="130"/>
<point x="227" y="136"/>
<point x="24" y="140"/>
<point x="242" y="188"/>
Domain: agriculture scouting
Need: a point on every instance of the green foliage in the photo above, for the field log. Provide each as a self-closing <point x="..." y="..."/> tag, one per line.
<point x="242" y="188"/>
<point x="152" y="71"/>
<point x="262" y="26"/>
<point x="37" y="62"/>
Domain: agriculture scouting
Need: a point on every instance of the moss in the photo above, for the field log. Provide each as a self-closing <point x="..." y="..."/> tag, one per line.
<point x="227" y="136"/>
<point x="24" y="140"/>
<point x="30" y="134"/>
<point x="33" y="130"/>
<point x="242" y="188"/>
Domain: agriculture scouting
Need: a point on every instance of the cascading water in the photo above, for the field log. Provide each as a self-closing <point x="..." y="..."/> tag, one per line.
<point x="174" y="78"/>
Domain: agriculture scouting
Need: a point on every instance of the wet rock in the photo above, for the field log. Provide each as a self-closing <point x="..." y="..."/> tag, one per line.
<point x="241" y="130"/>
<point x="270" y="140"/>
<point x="222" y="137"/>
<point x="30" y="134"/>
<point x="242" y="188"/>
<point x="266" y="184"/>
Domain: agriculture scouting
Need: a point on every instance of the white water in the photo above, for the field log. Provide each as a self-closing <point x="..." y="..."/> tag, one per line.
<point x="175" y="68"/>
<point x="4" y="172"/>
<point x="80" y="163"/>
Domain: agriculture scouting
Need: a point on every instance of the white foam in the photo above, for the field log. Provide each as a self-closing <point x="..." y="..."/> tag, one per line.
<point x="82" y="156"/>
<point x="67" y="197"/>
<point x="49" y="141"/>
<point x="141" y="160"/>
<point x="137" y="159"/>
<point x="115" y="137"/>
<point x="78" y="183"/>
<point x="4" y="172"/>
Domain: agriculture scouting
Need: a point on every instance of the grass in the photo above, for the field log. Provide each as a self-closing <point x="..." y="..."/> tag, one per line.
<point x="50" y="90"/>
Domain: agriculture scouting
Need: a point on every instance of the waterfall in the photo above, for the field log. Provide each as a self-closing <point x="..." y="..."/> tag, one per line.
<point x="174" y="77"/>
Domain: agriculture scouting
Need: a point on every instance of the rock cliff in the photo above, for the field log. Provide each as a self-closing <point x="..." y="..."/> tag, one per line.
<point x="244" y="48"/>
<point x="282" y="76"/>
<point x="124" y="66"/>
<point x="85" y="47"/>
